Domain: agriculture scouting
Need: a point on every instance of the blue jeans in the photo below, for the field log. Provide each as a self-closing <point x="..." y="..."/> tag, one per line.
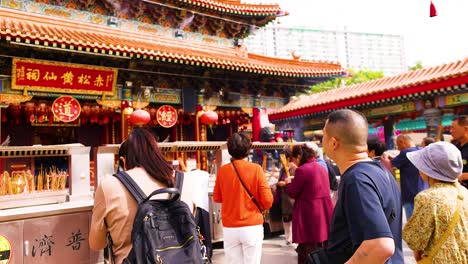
<point x="409" y="207"/>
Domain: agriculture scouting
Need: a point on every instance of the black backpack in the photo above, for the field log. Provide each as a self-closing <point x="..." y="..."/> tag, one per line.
<point x="164" y="230"/>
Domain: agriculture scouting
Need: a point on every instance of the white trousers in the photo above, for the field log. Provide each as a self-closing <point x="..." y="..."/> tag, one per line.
<point x="287" y="226"/>
<point x="243" y="245"/>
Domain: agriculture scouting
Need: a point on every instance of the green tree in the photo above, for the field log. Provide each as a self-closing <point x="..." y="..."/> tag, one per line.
<point x="418" y="65"/>
<point x="353" y="77"/>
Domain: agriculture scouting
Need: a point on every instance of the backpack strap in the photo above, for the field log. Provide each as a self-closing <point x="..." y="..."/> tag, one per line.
<point x="140" y="196"/>
<point x="131" y="186"/>
<point x="179" y="180"/>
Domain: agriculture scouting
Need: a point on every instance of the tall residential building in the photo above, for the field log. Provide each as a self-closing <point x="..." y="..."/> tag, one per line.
<point x="377" y="52"/>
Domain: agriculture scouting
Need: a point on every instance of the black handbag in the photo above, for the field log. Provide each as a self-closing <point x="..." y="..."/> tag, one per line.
<point x="322" y="256"/>
<point x="318" y="256"/>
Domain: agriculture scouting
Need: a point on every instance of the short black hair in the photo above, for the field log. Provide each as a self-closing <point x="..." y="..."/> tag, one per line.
<point x="376" y="145"/>
<point x="428" y="140"/>
<point x="238" y="146"/>
<point x="462" y="120"/>
<point x="349" y="125"/>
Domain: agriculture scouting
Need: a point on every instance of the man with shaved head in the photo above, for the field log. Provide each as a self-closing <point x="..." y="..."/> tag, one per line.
<point x="410" y="182"/>
<point x="366" y="223"/>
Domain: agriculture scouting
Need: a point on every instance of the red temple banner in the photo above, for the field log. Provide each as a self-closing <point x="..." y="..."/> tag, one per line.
<point x="37" y="75"/>
<point x="166" y="116"/>
<point x="66" y="109"/>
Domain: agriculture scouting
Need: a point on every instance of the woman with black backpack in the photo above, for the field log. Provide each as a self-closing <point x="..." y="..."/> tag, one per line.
<point x="115" y="207"/>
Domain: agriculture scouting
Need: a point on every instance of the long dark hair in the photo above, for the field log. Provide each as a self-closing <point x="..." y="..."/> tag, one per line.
<point x="143" y="151"/>
<point x="123" y="150"/>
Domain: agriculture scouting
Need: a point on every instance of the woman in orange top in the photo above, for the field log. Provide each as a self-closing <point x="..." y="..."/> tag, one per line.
<point x="242" y="220"/>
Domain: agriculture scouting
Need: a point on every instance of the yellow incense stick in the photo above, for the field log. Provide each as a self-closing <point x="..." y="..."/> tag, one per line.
<point x="285" y="163"/>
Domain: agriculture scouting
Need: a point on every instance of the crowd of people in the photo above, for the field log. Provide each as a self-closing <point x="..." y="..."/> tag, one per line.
<point x="363" y="224"/>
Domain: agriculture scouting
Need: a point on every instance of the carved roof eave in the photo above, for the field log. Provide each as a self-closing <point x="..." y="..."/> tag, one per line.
<point x="231" y="9"/>
<point x="23" y="28"/>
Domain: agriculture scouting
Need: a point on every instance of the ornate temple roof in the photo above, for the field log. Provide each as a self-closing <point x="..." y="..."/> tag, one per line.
<point x="234" y="7"/>
<point x="444" y="78"/>
<point x="30" y="29"/>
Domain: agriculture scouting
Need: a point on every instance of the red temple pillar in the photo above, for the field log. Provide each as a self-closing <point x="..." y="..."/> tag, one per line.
<point x="256" y="126"/>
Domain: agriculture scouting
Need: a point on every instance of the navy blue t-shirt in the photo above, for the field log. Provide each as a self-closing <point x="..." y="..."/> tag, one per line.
<point x="410" y="181"/>
<point x="464" y="153"/>
<point x="358" y="213"/>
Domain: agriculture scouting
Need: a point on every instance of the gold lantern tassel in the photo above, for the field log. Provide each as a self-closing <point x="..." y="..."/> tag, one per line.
<point x="264" y="162"/>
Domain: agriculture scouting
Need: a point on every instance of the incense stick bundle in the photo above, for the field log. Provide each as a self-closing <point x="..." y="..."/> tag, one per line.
<point x="53" y="182"/>
<point x="63" y="180"/>
<point x="30" y="181"/>
<point x="9" y="183"/>
<point x="264" y="164"/>
<point x="182" y="164"/>
<point x="47" y="182"/>
<point x="40" y="180"/>
<point x="4" y="183"/>
<point x="285" y="163"/>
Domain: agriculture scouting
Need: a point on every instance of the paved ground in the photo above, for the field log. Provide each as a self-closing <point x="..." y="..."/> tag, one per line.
<point x="275" y="251"/>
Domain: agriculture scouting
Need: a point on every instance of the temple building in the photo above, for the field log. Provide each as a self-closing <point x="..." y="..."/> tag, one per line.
<point x="185" y="55"/>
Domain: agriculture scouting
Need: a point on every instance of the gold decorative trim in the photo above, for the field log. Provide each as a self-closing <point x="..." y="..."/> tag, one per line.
<point x="139" y="105"/>
<point x="247" y="110"/>
<point x="14" y="98"/>
<point x="110" y="103"/>
<point x="209" y="107"/>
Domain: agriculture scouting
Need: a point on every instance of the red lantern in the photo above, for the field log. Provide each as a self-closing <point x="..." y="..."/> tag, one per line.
<point x="209" y="117"/>
<point x="140" y="117"/>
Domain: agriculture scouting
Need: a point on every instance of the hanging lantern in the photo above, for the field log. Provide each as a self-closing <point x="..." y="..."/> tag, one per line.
<point x="209" y="117"/>
<point x="140" y="117"/>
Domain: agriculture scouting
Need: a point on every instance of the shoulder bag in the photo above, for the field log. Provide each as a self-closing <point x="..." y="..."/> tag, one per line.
<point x="262" y="211"/>
<point x="428" y="259"/>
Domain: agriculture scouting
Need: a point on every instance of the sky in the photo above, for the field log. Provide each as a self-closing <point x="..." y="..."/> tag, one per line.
<point x="431" y="40"/>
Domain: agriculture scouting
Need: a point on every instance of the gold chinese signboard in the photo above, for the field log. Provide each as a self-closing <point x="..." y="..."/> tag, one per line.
<point x="66" y="109"/>
<point x="166" y="116"/>
<point x="37" y="75"/>
<point x="392" y="109"/>
<point x="456" y="99"/>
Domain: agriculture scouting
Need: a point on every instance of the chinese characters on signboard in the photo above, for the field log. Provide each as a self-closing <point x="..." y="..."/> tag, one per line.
<point x="49" y="76"/>
<point x="66" y="109"/>
<point x="166" y="116"/>
<point x="44" y="246"/>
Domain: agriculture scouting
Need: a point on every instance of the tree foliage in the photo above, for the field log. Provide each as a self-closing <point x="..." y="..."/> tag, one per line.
<point x="353" y="77"/>
<point x="418" y="65"/>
